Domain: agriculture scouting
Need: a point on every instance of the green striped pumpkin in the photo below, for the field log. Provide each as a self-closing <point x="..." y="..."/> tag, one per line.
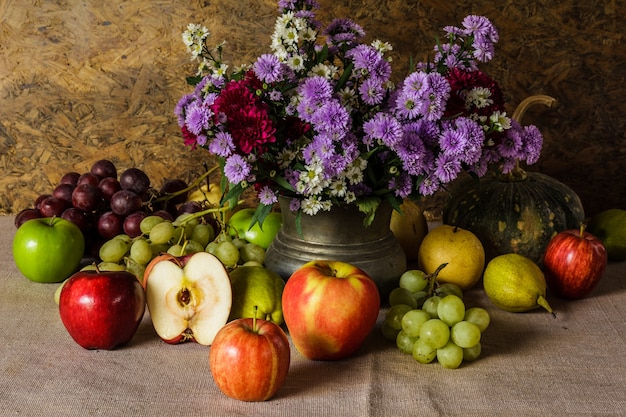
<point x="514" y="214"/>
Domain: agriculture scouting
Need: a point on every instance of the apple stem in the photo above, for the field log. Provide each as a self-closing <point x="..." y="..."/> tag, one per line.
<point x="582" y="230"/>
<point x="254" y="325"/>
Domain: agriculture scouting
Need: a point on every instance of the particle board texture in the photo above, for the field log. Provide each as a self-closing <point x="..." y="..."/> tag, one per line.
<point x="82" y="80"/>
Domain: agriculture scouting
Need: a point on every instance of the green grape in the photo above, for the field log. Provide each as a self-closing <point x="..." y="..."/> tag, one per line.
<point x="413" y="280"/>
<point x="140" y="251"/>
<point x="113" y="250"/>
<point x="479" y="316"/>
<point x="148" y="223"/>
<point x="203" y="233"/>
<point x="136" y="269"/>
<point x="423" y="353"/>
<point x="161" y="232"/>
<point x="211" y="247"/>
<point x="239" y="242"/>
<point x="251" y="263"/>
<point x="389" y="332"/>
<point x="252" y="252"/>
<point x="413" y="320"/>
<point x="223" y="237"/>
<point x="158" y="249"/>
<point x="176" y="250"/>
<point x="187" y="222"/>
<point x="405" y="342"/>
<point x="465" y="334"/>
<point x="451" y="309"/>
<point x="111" y="266"/>
<point x="435" y="333"/>
<point x="124" y="237"/>
<point x="447" y="289"/>
<point x="177" y="236"/>
<point x="450" y="356"/>
<point x="193" y="247"/>
<point x="401" y="295"/>
<point x="227" y="253"/>
<point x="473" y="353"/>
<point x="420" y="297"/>
<point x="395" y="314"/>
<point x="430" y="306"/>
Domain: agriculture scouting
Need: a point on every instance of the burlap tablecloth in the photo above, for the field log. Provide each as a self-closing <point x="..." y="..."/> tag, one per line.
<point x="532" y="365"/>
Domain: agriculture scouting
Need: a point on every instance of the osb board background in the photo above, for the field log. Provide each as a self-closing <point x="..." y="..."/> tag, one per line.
<point x="84" y="80"/>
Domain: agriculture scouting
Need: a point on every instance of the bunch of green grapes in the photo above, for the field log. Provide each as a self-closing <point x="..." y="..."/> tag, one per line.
<point x="185" y="235"/>
<point x="433" y="323"/>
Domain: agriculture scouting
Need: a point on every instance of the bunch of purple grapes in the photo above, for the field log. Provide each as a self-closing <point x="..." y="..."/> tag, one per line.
<point x="104" y="205"/>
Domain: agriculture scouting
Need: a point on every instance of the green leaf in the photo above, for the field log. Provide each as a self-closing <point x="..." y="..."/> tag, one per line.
<point x="347" y="72"/>
<point x="259" y="215"/>
<point x="368" y="206"/>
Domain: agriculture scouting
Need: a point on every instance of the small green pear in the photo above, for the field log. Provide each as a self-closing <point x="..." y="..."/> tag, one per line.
<point x="515" y="283"/>
<point x="256" y="290"/>
<point x="610" y="227"/>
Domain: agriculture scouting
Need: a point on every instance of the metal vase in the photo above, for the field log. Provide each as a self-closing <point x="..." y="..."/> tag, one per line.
<point x="339" y="234"/>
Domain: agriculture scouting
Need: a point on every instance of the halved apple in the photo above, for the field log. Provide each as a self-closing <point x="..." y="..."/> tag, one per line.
<point x="189" y="298"/>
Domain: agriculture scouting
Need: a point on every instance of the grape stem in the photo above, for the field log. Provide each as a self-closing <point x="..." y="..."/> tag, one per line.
<point x="192" y="186"/>
<point x="432" y="279"/>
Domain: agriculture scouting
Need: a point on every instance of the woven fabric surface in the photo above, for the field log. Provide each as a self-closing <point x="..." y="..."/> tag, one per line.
<point x="532" y="365"/>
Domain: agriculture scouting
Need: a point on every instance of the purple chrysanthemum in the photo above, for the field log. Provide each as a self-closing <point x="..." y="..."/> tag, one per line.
<point x="268" y="68"/>
<point x="236" y="169"/>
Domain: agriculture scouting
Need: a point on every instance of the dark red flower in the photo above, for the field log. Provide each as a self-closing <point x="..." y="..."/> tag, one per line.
<point x="189" y="138"/>
<point x="461" y="82"/>
<point x="246" y="117"/>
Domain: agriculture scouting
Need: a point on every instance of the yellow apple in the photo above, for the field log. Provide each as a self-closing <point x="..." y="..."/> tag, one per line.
<point x="210" y="193"/>
<point x="460" y="249"/>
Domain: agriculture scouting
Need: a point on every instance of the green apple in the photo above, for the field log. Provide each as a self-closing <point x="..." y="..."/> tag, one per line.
<point x="610" y="227"/>
<point x="48" y="249"/>
<point x="239" y="225"/>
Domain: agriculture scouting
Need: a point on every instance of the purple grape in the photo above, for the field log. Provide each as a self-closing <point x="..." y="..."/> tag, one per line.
<point x="125" y="202"/>
<point x="172" y="186"/>
<point x="134" y="179"/>
<point x="78" y="217"/>
<point x="53" y="207"/>
<point x="109" y="186"/>
<point x="132" y="223"/>
<point x="104" y="169"/>
<point x="70" y="178"/>
<point x="25" y="215"/>
<point x="86" y="197"/>
<point x="88" y="178"/>
<point x="110" y="225"/>
<point x="64" y="192"/>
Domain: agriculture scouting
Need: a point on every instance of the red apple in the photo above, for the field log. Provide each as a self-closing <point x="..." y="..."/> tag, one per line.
<point x="101" y="309"/>
<point x="249" y="359"/>
<point x="189" y="297"/>
<point x="574" y="262"/>
<point x="329" y="308"/>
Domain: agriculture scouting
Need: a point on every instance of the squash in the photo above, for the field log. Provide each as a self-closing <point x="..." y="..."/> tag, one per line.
<point x="518" y="212"/>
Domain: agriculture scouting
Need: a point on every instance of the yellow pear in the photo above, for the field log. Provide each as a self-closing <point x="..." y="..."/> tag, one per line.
<point x="460" y="249"/>
<point x="409" y="228"/>
<point x="257" y="291"/>
<point x="515" y="283"/>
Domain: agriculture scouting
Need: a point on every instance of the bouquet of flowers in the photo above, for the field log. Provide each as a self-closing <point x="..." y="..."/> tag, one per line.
<point x="319" y="120"/>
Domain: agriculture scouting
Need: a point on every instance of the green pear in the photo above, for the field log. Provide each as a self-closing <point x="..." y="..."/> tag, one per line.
<point x="256" y="286"/>
<point x="610" y="227"/>
<point x="515" y="283"/>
